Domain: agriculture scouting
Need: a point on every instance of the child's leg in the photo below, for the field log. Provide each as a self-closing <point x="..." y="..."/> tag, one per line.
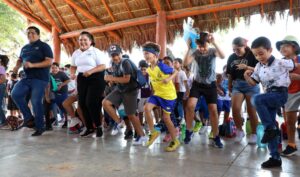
<point x="68" y="105"/>
<point x="170" y="125"/>
<point x="252" y="114"/>
<point x="213" y="113"/>
<point x="148" y="109"/>
<point x="190" y="112"/>
<point x="291" y="128"/>
<point x="237" y="101"/>
<point x="136" y="124"/>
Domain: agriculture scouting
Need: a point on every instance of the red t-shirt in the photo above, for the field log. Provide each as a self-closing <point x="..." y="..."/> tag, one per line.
<point x="295" y="84"/>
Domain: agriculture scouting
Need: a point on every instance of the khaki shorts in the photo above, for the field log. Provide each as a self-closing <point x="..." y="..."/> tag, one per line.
<point x="142" y="103"/>
<point x="129" y="100"/>
<point x="293" y="102"/>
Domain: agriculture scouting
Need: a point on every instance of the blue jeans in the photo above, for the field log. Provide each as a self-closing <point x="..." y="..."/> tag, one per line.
<point x="266" y="106"/>
<point x="2" y="94"/>
<point x="36" y="89"/>
<point x="59" y="99"/>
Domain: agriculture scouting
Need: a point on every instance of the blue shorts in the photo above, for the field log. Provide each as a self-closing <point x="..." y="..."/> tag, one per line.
<point x="224" y="105"/>
<point x="166" y="105"/>
<point x="202" y="107"/>
<point x="242" y="87"/>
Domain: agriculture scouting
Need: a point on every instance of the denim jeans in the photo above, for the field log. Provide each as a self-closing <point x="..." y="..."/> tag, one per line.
<point x="2" y="94"/>
<point x="266" y="106"/>
<point x="36" y="89"/>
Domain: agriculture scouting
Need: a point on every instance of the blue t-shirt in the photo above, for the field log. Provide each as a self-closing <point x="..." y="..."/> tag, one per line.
<point x="36" y="52"/>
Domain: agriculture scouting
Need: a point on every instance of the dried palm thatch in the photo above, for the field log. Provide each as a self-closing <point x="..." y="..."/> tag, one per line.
<point x="67" y="18"/>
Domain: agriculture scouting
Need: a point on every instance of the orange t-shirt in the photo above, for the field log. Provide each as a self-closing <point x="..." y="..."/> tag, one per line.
<point x="295" y="84"/>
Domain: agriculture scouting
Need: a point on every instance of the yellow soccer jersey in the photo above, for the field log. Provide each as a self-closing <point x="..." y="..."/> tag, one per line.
<point x="157" y="75"/>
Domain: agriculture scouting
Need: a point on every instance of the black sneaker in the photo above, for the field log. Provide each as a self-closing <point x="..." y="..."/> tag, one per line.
<point x="271" y="163"/>
<point x="38" y="133"/>
<point x="269" y="135"/>
<point x="188" y="136"/>
<point x="87" y="133"/>
<point x="289" y="151"/>
<point x="65" y="125"/>
<point x="99" y="132"/>
<point x="298" y="130"/>
<point x="128" y="135"/>
<point x="135" y="135"/>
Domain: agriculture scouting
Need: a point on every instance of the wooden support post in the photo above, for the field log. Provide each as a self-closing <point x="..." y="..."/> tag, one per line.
<point x="56" y="45"/>
<point x="161" y="32"/>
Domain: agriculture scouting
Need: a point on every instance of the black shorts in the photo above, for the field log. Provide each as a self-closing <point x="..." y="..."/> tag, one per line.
<point x="209" y="91"/>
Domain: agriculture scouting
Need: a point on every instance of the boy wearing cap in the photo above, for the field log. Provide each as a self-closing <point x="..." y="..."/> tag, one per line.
<point x="274" y="76"/>
<point x="290" y="49"/>
<point x="126" y="92"/>
<point x="161" y="76"/>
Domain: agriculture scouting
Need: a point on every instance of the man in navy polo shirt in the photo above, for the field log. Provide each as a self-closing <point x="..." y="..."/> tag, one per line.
<point x="36" y="58"/>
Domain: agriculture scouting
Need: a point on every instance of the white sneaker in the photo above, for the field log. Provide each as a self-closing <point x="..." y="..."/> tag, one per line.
<point x="117" y="128"/>
<point x="203" y="130"/>
<point x="140" y="140"/>
<point x="84" y="129"/>
<point x="74" y="122"/>
<point x="252" y="139"/>
<point x="239" y="136"/>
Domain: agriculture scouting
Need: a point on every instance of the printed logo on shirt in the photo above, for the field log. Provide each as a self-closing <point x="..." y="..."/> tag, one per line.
<point x="36" y="48"/>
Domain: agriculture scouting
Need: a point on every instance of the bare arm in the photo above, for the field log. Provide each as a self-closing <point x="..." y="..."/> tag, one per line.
<point x="44" y="64"/>
<point x="121" y="80"/>
<point x="17" y="66"/>
<point x="188" y="58"/>
<point x="229" y="83"/>
<point x="219" y="52"/>
<point x="98" y="68"/>
<point x="248" y="78"/>
<point x="171" y="77"/>
<point x="72" y="72"/>
<point x="2" y="78"/>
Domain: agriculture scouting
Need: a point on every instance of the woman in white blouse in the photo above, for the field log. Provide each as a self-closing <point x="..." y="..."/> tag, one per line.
<point x="90" y="65"/>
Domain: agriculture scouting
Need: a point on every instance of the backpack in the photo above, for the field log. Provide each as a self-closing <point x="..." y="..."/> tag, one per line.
<point x="14" y="122"/>
<point x="228" y="129"/>
<point x="139" y="77"/>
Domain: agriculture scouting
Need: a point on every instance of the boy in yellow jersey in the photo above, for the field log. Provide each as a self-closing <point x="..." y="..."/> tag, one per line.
<point x="161" y="76"/>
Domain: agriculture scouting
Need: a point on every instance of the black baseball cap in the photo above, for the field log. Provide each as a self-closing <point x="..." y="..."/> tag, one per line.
<point x="114" y="49"/>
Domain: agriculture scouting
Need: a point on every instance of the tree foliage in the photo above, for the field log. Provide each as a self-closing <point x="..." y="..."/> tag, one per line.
<point x="12" y="27"/>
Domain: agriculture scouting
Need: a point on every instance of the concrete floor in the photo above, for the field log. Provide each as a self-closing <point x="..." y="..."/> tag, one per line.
<point x="58" y="154"/>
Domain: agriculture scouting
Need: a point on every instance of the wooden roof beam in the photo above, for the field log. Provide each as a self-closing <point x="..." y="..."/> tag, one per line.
<point x="29" y="16"/>
<point x="113" y="26"/>
<point x="223" y="6"/>
<point x="76" y="16"/>
<point x="149" y="7"/>
<point x="131" y="14"/>
<point x="157" y="5"/>
<point x="107" y="8"/>
<point x="60" y="18"/>
<point x="94" y="19"/>
<point x="44" y="10"/>
<point x="229" y="5"/>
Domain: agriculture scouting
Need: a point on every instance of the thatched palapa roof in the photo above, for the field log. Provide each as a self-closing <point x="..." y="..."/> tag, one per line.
<point x="132" y="22"/>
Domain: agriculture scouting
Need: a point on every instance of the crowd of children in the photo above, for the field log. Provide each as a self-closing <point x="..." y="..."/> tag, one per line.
<point x="177" y="96"/>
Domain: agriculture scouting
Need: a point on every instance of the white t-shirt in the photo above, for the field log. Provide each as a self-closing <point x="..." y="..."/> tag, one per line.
<point x="86" y="60"/>
<point x="181" y="77"/>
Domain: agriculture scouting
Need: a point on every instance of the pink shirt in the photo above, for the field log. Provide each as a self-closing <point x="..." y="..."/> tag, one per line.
<point x="2" y="70"/>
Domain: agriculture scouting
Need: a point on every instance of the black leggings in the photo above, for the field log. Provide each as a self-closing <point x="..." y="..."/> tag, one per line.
<point x="90" y="95"/>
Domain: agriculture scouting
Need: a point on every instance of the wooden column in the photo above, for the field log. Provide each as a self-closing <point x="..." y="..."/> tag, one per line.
<point x="56" y="45"/>
<point x="161" y="32"/>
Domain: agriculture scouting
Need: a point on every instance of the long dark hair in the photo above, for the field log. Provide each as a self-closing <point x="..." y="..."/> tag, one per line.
<point x="90" y="36"/>
<point x="4" y="60"/>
